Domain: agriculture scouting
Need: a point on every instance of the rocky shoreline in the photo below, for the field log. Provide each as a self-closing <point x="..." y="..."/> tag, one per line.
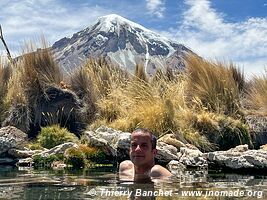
<point x="174" y="154"/>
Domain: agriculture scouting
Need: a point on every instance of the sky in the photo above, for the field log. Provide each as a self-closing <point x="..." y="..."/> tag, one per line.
<point x="219" y="30"/>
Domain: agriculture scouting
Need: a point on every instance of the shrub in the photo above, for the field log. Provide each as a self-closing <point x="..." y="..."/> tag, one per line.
<point x="233" y="132"/>
<point x="74" y="158"/>
<point x="92" y="154"/>
<point x="54" y="135"/>
<point x="45" y="162"/>
<point x="223" y="131"/>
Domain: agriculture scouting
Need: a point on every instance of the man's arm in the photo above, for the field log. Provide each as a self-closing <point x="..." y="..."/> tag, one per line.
<point x="126" y="168"/>
<point x="160" y="172"/>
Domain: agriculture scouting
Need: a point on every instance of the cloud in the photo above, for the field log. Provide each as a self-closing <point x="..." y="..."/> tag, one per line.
<point x="206" y="32"/>
<point x="27" y="19"/>
<point x="155" y="8"/>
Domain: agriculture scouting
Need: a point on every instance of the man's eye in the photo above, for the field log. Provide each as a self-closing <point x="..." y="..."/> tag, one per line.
<point x="133" y="145"/>
<point x="144" y="145"/>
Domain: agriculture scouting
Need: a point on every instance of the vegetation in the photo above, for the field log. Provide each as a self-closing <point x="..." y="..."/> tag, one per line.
<point x="205" y="106"/>
<point x="256" y="97"/>
<point x="54" y="135"/>
<point x="45" y="162"/>
<point x="81" y="157"/>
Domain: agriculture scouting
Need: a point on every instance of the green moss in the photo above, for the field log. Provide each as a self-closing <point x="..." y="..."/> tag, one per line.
<point x="45" y="162"/>
<point x="54" y="135"/>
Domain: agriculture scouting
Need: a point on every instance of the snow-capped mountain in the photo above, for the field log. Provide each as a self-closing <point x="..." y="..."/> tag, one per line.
<point x="122" y="42"/>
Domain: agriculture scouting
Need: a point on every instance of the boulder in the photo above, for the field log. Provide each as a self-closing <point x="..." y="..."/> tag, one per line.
<point x="192" y="158"/>
<point x="59" y="149"/>
<point x="11" y="137"/>
<point x="94" y="140"/>
<point x="17" y="153"/>
<point x="175" y="167"/>
<point x="258" y="129"/>
<point x="25" y="162"/>
<point x="239" y="157"/>
<point x="166" y="153"/>
<point x="112" y="142"/>
<point x="54" y="105"/>
<point x="171" y="140"/>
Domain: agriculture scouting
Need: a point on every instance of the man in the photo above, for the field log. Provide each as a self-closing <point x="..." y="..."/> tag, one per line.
<point x="142" y="153"/>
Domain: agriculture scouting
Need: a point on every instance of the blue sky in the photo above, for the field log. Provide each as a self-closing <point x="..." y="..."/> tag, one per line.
<point x="224" y="30"/>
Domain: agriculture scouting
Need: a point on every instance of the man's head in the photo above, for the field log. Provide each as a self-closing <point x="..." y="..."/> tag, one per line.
<point x="143" y="147"/>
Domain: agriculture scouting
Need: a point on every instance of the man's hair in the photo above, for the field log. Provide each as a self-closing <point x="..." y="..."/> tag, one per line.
<point x="153" y="137"/>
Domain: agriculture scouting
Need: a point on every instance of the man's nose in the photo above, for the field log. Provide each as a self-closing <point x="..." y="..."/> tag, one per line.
<point x="138" y="148"/>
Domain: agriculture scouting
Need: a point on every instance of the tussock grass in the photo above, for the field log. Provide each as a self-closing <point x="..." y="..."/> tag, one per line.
<point x="256" y="95"/>
<point x="33" y="73"/>
<point x="82" y="85"/>
<point x="104" y="76"/>
<point x="201" y="106"/>
<point x="215" y="86"/>
<point x="5" y="73"/>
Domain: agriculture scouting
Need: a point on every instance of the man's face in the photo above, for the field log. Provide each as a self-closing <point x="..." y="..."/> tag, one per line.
<point x="141" y="152"/>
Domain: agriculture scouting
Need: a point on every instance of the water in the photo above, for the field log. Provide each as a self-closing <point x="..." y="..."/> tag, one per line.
<point x="103" y="183"/>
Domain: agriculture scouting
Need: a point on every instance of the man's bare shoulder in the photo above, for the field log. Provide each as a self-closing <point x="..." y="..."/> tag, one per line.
<point x="158" y="171"/>
<point x="126" y="165"/>
<point x="126" y="170"/>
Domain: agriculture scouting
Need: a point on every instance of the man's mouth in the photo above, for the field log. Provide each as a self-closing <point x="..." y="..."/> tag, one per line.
<point x="138" y="156"/>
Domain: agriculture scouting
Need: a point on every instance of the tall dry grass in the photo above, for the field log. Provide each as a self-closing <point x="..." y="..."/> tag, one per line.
<point x="104" y="76"/>
<point x="32" y="74"/>
<point x="215" y="86"/>
<point x="256" y="95"/>
<point x="5" y="73"/>
<point x="82" y="85"/>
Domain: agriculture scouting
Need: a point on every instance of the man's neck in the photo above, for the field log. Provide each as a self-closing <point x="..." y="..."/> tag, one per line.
<point x="144" y="169"/>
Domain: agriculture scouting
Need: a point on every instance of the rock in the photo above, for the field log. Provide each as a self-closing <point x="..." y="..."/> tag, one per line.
<point x="11" y="137"/>
<point x="17" y="153"/>
<point x="171" y="140"/>
<point x="175" y="167"/>
<point x="54" y="105"/>
<point x="25" y="162"/>
<point x="94" y="140"/>
<point x="123" y="146"/>
<point x="258" y="129"/>
<point x="59" y="149"/>
<point x="192" y="158"/>
<point x="117" y="144"/>
<point x="110" y="141"/>
<point x="166" y="153"/>
<point x="239" y="158"/>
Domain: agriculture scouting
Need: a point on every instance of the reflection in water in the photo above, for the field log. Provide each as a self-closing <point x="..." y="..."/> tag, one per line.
<point x="103" y="183"/>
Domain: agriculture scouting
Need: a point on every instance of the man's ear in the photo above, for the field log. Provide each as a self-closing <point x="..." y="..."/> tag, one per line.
<point x="155" y="151"/>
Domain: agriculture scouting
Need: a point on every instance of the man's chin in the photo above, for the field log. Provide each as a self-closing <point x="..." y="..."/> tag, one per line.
<point x="138" y="159"/>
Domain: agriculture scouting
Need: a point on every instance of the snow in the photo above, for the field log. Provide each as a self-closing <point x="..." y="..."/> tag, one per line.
<point x="124" y="57"/>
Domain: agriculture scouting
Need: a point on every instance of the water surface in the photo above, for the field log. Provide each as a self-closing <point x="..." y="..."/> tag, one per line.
<point x="103" y="183"/>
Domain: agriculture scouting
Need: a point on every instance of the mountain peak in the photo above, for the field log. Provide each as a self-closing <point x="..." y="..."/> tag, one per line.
<point x="122" y="42"/>
<point x="114" y="20"/>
